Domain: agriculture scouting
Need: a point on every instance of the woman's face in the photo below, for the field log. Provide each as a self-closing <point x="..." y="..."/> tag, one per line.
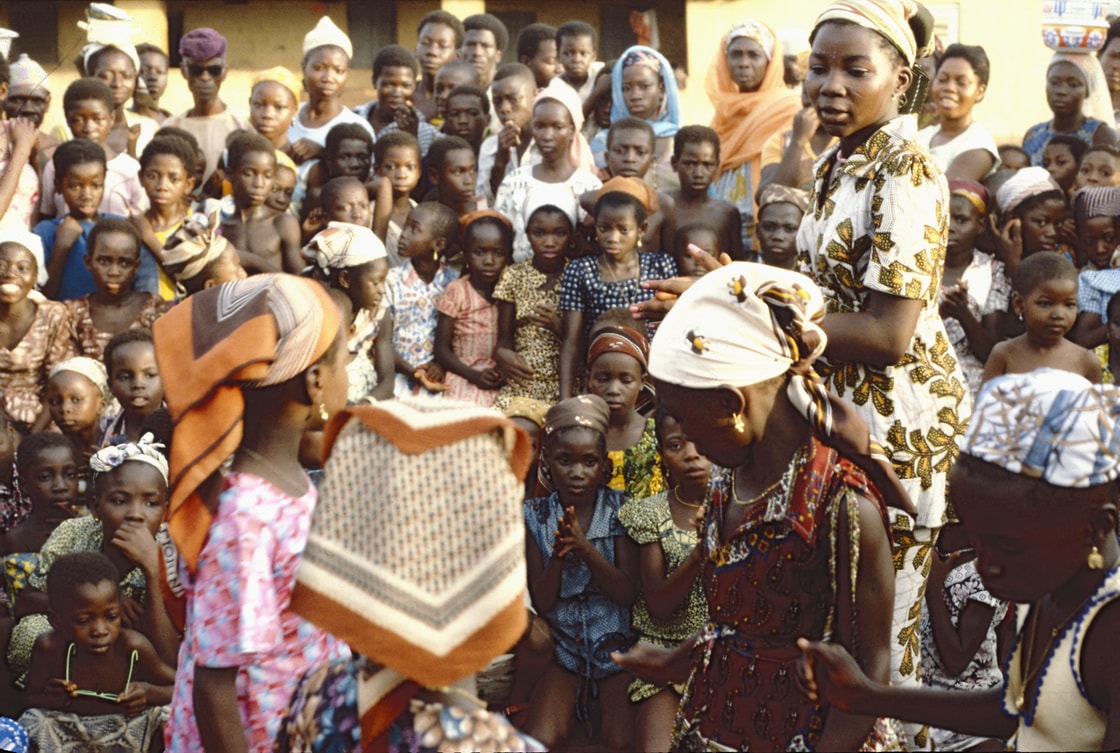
<point x="853" y="82"/>
<point x="325" y="71"/>
<point x="1110" y="61"/>
<point x="747" y="61"/>
<point x="1065" y="89"/>
<point x="552" y="128"/>
<point x="698" y="413"/>
<point x="642" y="91"/>
<point x="18" y="271"/>
<point x="956" y="88"/>
<point x="118" y="71"/>
<point x="683" y="462"/>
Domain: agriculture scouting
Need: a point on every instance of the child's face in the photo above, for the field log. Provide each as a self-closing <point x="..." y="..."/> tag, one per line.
<point x="457" y="179"/>
<point x="513" y="100"/>
<point x="577" y="463"/>
<point x="118" y="72"/>
<point x="1061" y="164"/>
<point x="227" y="268"/>
<point x="113" y="262"/>
<point x="90" y="119"/>
<point x="602" y="110"/>
<point x="1048" y="311"/>
<point x="553" y="129"/>
<point x="576" y="55"/>
<point x="1097" y="169"/>
<point x="550" y="235"/>
<point x="252" y="178"/>
<point x="74" y="402"/>
<point x="1013" y="159"/>
<point x="544" y="64"/>
<point x="91" y="618"/>
<point x="18" y="271"/>
<point x="131" y="495"/>
<point x="271" y="109"/>
<point x="617" y="378"/>
<point x="642" y="91"/>
<point x="325" y="72"/>
<point x="82" y="188"/>
<point x="617" y="231"/>
<point x="1065" y="89"/>
<point x="1099" y="240"/>
<point x="367" y="284"/>
<point x="395" y="86"/>
<point x="352" y="158"/>
<point x="447" y="79"/>
<point x="629" y="153"/>
<point x="153" y="69"/>
<point x="965" y="225"/>
<point x="417" y="238"/>
<point x="696" y="166"/>
<point x="464" y="118"/>
<point x="351" y="204"/>
<point x="283" y="185"/>
<point x="1040" y="226"/>
<point x="703" y="238"/>
<point x="683" y="462"/>
<point x="486" y="252"/>
<point x="51" y="483"/>
<point x="401" y="165"/>
<point x="134" y="380"/>
<point x="166" y="180"/>
<point x="435" y="46"/>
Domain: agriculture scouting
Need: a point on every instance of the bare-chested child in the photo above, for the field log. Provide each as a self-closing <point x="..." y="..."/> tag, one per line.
<point x="696" y="160"/>
<point x="266" y="240"/>
<point x="1045" y="298"/>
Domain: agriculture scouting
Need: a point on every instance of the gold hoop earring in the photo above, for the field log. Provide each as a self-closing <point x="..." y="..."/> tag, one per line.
<point x="1095" y="560"/>
<point x="740" y="425"/>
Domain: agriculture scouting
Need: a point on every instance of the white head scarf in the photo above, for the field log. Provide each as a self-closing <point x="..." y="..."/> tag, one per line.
<point x="32" y="243"/>
<point x="1025" y="183"/>
<point x="341" y="245"/>
<point x="115" y="455"/>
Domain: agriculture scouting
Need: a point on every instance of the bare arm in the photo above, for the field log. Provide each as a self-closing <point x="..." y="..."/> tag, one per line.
<point x="878" y="336"/>
<point x="972" y="164"/>
<point x="665" y="593"/>
<point x="956" y="644"/>
<point x="544" y="580"/>
<point x="996" y="365"/>
<point x="287" y="227"/>
<point x="24" y="138"/>
<point x="384" y="359"/>
<point x="216" y="710"/>
<point x="381" y="191"/>
<point x="618" y="580"/>
<point x="1089" y="331"/>
<point x="571" y="351"/>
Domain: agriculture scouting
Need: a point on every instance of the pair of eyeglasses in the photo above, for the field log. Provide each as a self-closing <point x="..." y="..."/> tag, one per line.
<point x="197" y="70"/>
<point x="94" y="694"/>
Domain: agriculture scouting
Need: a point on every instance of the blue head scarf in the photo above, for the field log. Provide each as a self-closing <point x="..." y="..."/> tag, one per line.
<point x="668" y="121"/>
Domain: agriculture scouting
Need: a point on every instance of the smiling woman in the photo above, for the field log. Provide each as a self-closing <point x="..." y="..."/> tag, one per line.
<point x="960" y="146"/>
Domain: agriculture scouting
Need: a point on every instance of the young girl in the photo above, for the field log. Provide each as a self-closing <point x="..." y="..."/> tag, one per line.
<point x="247" y="368"/>
<point x="528" y="298"/>
<point x="1045" y="299"/>
<point x="273" y="102"/>
<point x="1097" y="212"/>
<point x="1077" y="95"/>
<point x="113" y="259"/>
<point x="396" y="158"/>
<point x="975" y="289"/>
<point x="1100" y="166"/>
<point x="91" y="678"/>
<point x="198" y="258"/>
<point x="1035" y="490"/>
<point x="671" y="606"/>
<point x="351" y="259"/>
<point x="467" y="332"/>
<point x="582" y="574"/>
<point x="593" y="284"/>
<point x="130" y="362"/>
<point x="1062" y="159"/>
<point x="77" y="395"/>
<point x="565" y="160"/>
<point x="168" y="176"/>
<point x="1031" y="206"/>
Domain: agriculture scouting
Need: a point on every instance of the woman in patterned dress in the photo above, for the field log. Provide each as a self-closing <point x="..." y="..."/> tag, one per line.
<point x="874" y="241"/>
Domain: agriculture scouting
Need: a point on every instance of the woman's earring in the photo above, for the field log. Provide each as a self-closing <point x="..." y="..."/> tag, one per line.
<point x="639" y="241"/>
<point x="323" y="415"/>
<point x="740" y="426"/>
<point x="1095" y="560"/>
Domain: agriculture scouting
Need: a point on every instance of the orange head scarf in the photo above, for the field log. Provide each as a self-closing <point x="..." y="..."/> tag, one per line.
<point x="745" y="120"/>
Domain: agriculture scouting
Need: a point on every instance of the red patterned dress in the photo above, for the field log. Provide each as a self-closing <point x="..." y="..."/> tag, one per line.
<point x="773" y="582"/>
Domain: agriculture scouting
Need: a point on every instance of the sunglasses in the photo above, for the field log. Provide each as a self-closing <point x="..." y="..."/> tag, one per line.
<point x="196" y="71"/>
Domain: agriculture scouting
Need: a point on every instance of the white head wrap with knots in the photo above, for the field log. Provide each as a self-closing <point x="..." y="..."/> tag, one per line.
<point x="341" y="245"/>
<point x="34" y="244"/>
<point x="115" y="455"/>
<point x="751" y="29"/>
<point x="1025" y="183"/>
<point x="91" y="369"/>
<point x="559" y="195"/>
<point x="1098" y="102"/>
<point x="1050" y="425"/>
<point x="326" y="32"/>
<point x="191" y="248"/>
<point x="891" y="18"/>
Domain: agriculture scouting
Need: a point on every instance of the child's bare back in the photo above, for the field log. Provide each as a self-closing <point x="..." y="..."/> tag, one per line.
<point x="1019" y="356"/>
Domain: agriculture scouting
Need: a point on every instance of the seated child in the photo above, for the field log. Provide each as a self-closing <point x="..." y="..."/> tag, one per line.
<point x="1097" y="213"/>
<point x="77" y="395"/>
<point x="975" y="289"/>
<point x="1045" y="298"/>
<point x="452" y="170"/>
<point x="349" y="153"/>
<point x="700" y="236"/>
<point x="167" y="170"/>
<point x="1100" y="166"/>
<point x="91" y="678"/>
<point x="198" y="258"/>
<point x="1062" y="159"/>
<point x="113" y="259"/>
<point x="696" y="161"/>
<point x="130" y="360"/>
<point x="397" y="160"/>
<point x="780" y="210"/>
<point x="412" y="293"/>
<point x="266" y="240"/>
<point x="528" y="298"/>
<point x="583" y="571"/>
<point x="468" y="115"/>
<point x="467" y="330"/>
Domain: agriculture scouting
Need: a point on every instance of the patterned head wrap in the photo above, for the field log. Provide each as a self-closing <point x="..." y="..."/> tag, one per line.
<point x="34" y="246"/>
<point x="579" y="152"/>
<point x="588" y="411"/>
<point x="115" y="455"/>
<point x="558" y="195"/>
<point x="326" y="32"/>
<point x="91" y="369"/>
<point x="890" y="18"/>
<point x="976" y="193"/>
<point x="190" y="249"/>
<point x="26" y="72"/>
<point x="202" y="44"/>
<point x="527" y="408"/>
<point x="668" y="121"/>
<point x="1025" y="183"/>
<point x="1096" y="201"/>
<point x="778" y="194"/>
<point x="611" y="339"/>
<point x="1097" y="103"/>
<point x="1050" y="425"/>
<point x="256" y="332"/>
<point x="282" y="76"/>
<point x="341" y="245"/>
<point x="747" y="323"/>
<point x="751" y="29"/>
<point x="433" y="589"/>
<point x="635" y="187"/>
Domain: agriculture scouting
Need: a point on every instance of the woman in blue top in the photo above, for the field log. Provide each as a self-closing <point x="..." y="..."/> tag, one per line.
<point x="1077" y="94"/>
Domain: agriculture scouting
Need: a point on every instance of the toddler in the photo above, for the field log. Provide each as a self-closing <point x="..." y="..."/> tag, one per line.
<point x="134" y="381"/>
<point x="700" y="236"/>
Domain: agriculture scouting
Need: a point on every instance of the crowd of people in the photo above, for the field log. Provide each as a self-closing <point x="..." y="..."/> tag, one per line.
<point x="507" y="411"/>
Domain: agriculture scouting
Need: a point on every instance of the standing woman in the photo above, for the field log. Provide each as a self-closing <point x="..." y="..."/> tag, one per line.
<point x="959" y="145"/>
<point x="1077" y="94"/>
<point x="876" y="248"/>
<point x="745" y="85"/>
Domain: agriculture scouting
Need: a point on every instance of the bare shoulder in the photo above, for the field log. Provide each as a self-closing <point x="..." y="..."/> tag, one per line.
<point x="1100" y="662"/>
